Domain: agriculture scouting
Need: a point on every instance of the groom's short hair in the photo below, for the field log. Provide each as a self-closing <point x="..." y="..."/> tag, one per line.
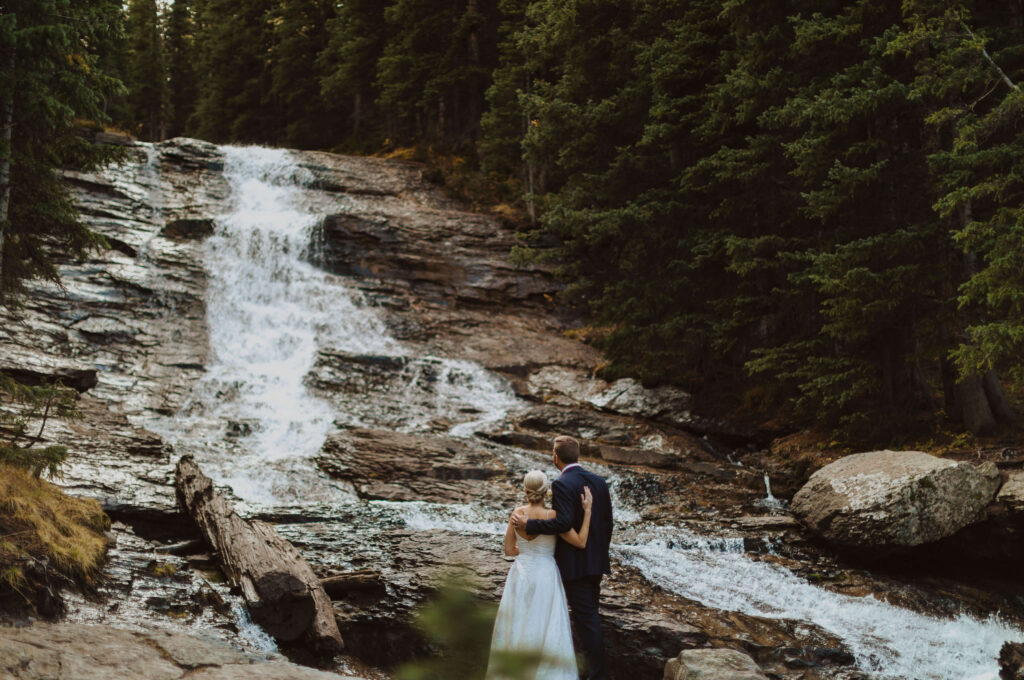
<point x="567" y="449"/>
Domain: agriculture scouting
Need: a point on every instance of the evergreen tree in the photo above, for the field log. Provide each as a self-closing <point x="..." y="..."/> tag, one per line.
<point x="49" y="81"/>
<point x="435" y="69"/>
<point x="182" y="78"/>
<point x="235" y="38"/>
<point x="356" y="38"/>
<point x="969" y="62"/>
<point x="504" y="123"/>
<point x="299" y="36"/>
<point x="146" y="79"/>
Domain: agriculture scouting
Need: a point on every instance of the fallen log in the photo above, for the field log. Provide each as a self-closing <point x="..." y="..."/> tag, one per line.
<point x="283" y="594"/>
<point x="338" y="586"/>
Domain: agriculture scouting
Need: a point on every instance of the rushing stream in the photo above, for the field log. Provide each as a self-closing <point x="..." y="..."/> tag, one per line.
<point x="253" y="424"/>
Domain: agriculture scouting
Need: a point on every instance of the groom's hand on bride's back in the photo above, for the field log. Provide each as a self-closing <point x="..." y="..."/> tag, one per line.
<point x="518" y="519"/>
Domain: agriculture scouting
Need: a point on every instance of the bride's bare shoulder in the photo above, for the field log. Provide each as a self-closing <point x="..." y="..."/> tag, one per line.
<point x="550" y="513"/>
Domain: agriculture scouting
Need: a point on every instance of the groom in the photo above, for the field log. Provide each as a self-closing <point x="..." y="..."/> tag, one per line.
<point x="581" y="568"/>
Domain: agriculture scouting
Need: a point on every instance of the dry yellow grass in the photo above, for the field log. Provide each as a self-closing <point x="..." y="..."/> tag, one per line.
<point x="39" y="520"/>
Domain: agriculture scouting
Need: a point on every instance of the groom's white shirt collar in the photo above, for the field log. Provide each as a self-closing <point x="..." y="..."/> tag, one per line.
<point x="570" y="465"/>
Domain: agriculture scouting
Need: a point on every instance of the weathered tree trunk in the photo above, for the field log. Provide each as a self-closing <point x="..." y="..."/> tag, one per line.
<point x="8" y="63"/>
<point x="357" y="113"/>
<point x="997" y="399"/>
<point x="951" y="396"/>
<point x="975" y="392"/>
<point x="283" y="594"/>
<point x="362" y="581"/>
<point x="978" y="416"/>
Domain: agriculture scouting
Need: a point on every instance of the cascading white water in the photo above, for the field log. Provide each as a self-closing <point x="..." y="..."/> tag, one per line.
<point x="769" y="501"/>
<point x="251" y="421"/>
<point x="887" y="641"/>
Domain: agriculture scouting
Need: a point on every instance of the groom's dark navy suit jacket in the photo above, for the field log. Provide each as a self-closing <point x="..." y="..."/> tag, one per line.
<point x="566" y="492"/>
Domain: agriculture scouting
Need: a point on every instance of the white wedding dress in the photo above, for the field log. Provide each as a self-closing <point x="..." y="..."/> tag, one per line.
<point x="533" y="617"/>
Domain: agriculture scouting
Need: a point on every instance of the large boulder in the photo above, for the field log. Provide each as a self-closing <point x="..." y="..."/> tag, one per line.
<point x="712" y="664"/>
<point x="891" y="500"/>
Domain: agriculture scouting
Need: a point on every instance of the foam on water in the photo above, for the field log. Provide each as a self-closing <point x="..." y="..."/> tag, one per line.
<point x="469" y="519"/>
<point x="887" y="641"/>
<point x="250" y="632"/>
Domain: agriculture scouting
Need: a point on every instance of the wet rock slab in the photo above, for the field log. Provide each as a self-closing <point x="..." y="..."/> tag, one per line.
<point x="87" y="652"/>
<point x="386" y="465"/>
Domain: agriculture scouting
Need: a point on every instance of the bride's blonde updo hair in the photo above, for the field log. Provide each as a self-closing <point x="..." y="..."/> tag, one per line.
<point x="535" y="483"/>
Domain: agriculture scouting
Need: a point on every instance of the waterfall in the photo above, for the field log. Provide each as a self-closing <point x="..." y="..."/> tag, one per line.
<point x="769" y="501"/>
<point x="251" y="422"/>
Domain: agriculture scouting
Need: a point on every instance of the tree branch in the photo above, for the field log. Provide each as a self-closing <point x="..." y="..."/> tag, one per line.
<point x="1006" y="79"/>
<point x="46" y="414"/>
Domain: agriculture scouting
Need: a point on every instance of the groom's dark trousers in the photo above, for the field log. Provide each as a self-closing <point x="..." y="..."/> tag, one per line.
<point x="582" y="569"/>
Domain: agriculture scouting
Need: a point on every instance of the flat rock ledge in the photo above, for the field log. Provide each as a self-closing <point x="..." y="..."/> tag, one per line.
<point x="93" y="652"/>
<point x="892" y="500"/>
<point x="712" y="664"/>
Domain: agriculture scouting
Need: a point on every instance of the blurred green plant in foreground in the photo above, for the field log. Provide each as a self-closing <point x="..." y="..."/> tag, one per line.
<point x="458" y="626"/>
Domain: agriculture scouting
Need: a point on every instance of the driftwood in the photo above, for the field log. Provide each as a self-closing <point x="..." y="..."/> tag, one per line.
<point x="338" y="586"/>
<point x="283" y="594"/>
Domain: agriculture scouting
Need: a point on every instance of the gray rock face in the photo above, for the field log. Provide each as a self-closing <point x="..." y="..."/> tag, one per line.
<point x="83" y="652"/>
<point x="394" y="466"/>
<point x="712" y="664"/>
<point x="885" y="500"/>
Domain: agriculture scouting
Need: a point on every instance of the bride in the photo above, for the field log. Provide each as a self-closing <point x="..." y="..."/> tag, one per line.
<point x="533" y="617"/>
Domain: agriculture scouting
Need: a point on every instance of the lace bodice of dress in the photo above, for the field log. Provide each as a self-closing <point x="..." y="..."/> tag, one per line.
<point x="542" y="545"/>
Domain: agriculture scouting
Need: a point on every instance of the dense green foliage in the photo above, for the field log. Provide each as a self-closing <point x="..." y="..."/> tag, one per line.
<point x="49" y="83"/>
<point x="814" y="206"/>
<point x="147" y="86"/>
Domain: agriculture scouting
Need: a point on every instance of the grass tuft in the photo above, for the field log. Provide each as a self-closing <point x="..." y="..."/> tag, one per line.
<point x="40" y="522"/>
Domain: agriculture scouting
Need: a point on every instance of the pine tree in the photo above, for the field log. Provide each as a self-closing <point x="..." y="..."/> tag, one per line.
<point x="299" y="36"/>
<point x="348" y="64"/>
<point x="435" y="69"/>
<point x="504" y="123"/>
<point x="182" y="77"/>
<point x="146" y="73"/>
<point x="969" y="65"/>
<point x="235" y="38"/>
<point x="49" y="81"/>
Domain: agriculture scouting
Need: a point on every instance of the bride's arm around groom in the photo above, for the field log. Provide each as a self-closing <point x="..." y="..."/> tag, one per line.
<point x="581" y="568"/>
